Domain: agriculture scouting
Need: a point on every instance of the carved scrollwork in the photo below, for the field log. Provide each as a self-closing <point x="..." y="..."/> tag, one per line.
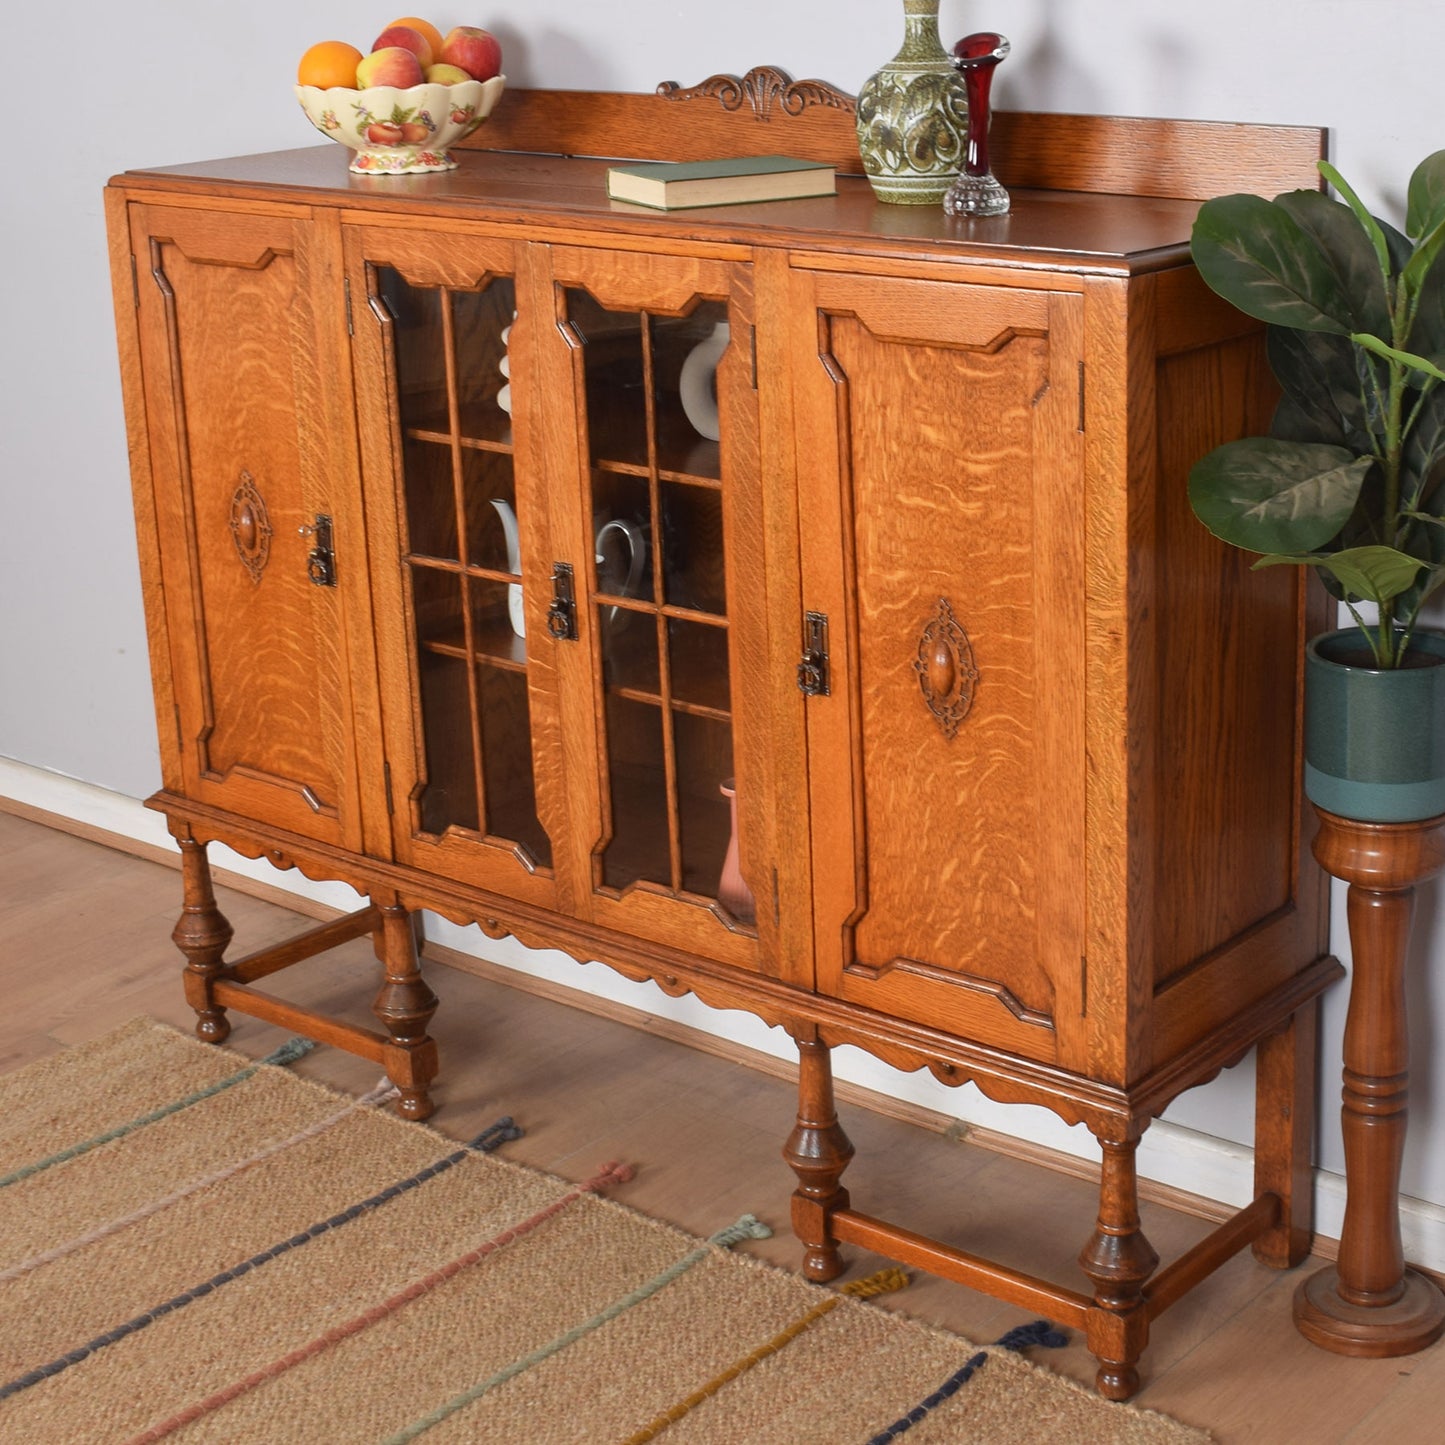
<point x="762" y="87"/>
<point x="251" y="528"/>
<point x="946" y="670"/>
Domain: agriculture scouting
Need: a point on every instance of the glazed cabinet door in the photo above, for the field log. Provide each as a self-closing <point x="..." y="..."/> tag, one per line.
<point x="261" y="550"/>
<point x="940" y="462"/>
<point x="457" y="533"/>
<point x="646" y="362"/>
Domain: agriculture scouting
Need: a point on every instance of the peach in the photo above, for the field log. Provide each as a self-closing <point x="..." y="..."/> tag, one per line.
<point x="446" y="74"/>
<point x="408" y="38"/>
<point x="474" y="50"/>
<point x="389" y="66"/>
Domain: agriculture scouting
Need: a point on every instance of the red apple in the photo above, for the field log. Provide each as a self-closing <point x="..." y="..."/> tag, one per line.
<point x="384" y="133"/>
<point x="390" y="66"/>
<point x="407" y="38"/>
<point x="476" y="51"/>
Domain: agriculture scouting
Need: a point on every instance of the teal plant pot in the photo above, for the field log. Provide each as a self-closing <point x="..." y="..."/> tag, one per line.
<point x="1375" y="738"/>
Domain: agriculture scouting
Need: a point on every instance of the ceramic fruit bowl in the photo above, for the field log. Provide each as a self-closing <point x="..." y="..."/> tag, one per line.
<point x="401" y="132"/>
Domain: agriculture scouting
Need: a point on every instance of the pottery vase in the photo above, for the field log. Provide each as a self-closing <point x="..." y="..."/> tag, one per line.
<point x="913" y="116"/>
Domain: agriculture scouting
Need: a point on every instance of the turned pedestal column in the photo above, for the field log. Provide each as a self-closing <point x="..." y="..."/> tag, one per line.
<point x="1368" y="1303"/>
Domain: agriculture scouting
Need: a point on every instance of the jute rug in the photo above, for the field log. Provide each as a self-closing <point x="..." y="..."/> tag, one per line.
<point x="196" y="1247"/>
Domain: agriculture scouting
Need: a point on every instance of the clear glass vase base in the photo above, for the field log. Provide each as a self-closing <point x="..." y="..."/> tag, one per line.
<point x="976" y="196"/>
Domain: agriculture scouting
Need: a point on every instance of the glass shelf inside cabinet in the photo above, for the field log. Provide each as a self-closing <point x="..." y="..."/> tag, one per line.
<point x="461" y="558"/>
<point x="658" y="591"/>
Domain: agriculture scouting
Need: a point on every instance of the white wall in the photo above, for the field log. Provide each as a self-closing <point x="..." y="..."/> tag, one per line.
<point x="103" y="87"/>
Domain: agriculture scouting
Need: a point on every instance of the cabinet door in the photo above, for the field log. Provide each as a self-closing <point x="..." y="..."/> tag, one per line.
<point x="646" y="362"/>
<point x="941" y="485"/>
<point x="235" y="394"/>
<point x="459" y="556"/>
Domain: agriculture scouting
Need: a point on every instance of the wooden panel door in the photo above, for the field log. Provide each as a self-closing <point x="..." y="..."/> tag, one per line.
<point x="941" y="484"/>
<point x="458" y="539"/>
<point x="237" y="395"/>
<point x="657" y="510"/>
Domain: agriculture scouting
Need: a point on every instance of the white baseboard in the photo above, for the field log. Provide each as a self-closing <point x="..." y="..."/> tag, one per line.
<point x="1178" y="1158"/>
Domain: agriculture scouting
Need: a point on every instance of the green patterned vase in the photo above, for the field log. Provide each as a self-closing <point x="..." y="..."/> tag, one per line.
<point x="913" y="116"/>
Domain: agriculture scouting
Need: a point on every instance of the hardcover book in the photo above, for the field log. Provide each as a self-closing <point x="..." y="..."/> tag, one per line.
<point x="676" y="184"/>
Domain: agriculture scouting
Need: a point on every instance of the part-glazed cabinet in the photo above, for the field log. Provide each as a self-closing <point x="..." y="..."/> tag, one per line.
<point x="794" y="604"/>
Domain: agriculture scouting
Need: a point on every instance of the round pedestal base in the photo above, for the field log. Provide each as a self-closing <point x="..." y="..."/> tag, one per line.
<point x="1415" y="1320"/>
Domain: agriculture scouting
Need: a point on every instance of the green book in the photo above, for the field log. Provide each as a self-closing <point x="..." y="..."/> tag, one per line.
<point x="729" y="182"/>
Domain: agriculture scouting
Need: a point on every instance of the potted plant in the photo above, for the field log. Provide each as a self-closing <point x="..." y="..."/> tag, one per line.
<point x="1351" y="479"/>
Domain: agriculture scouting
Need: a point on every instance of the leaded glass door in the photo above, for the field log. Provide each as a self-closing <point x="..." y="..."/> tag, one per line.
<point x="457" y="550"/>
<point x="654" y="496"/>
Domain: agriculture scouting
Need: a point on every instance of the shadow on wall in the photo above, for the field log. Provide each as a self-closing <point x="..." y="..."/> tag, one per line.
<point x="564" y="53"/>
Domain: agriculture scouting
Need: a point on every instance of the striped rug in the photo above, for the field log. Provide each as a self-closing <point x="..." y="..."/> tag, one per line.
<point x="195" y="1247"/>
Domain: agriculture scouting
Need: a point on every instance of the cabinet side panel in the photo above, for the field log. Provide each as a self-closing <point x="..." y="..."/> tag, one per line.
<point x="1228" y="644"/>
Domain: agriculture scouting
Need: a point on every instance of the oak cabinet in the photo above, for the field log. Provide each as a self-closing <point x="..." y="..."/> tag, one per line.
<point x="797" y="605"/>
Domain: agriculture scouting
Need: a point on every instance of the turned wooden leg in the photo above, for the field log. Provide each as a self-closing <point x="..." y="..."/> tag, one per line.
<point x="818" y="1152"/>
<point x="405" y="1005"/>
<point x="1369" y="1304"/>
<point x="203" y="934"/>
<point x="1284" y="1126"/>
<point x="1118" y="1260"/>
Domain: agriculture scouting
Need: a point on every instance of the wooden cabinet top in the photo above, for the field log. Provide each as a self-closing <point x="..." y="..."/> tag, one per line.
<point x="1095" y="194"/>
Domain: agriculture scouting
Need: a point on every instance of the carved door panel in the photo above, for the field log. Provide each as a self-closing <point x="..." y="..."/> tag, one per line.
<point x="654" y="484"/>
<point x="458" y="539"/>
<point x="940" y="465"/>
<point x="258" y="560"/>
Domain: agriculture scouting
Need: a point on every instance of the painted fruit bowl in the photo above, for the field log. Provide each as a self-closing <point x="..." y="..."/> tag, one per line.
<point x="401" y="132"/>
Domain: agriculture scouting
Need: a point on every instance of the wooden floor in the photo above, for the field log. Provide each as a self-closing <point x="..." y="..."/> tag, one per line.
<point x="84" y="946"/>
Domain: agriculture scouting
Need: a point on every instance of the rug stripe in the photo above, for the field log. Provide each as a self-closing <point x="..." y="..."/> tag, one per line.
<point x="884" y="1282"/>
<point x="1038" y="1333"/>
<point x="485" y="1142"/>
<point x="609" y="1174"/>
<point x="383" y="1091"/>
<point x="747" y="1227"/>
<point x="288" y="1053"/>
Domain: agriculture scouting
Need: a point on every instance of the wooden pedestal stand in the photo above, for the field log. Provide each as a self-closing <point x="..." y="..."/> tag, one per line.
<point x="1368" y="1303"/>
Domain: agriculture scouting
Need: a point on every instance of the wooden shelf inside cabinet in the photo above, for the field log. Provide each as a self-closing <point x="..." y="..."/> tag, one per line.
<point x="471" y="438"/>
<point x="494" y="644"/>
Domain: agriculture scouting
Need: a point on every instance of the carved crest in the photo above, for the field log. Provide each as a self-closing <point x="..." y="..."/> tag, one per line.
<point x="946" y="670"/>
<point x="251" y="528"/>
<point x="762" y="87"/>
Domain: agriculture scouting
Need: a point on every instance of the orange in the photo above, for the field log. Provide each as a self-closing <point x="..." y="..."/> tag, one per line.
<point x="433" y="35"/>
<point x="328" y="63"/>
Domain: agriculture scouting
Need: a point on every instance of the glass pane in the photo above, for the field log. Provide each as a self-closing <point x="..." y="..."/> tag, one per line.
<point x="436" y="597"/>
<point x="491" y="508"/>
<point x="420" y="354"/>
<point x="613" y="369"/>
<point x="622" y="540"/>
<point x="698" y="655"/>
<point x="449" y="797"/>
<point x="481" y="321"/>
<point x="507" y="761"/>
<point x="431" y="504"/>
<point x="637" y="770"/>
<point x="704" y="766"/>
<point x="495" y="638"/>
<point x="686" y="351"/>
<point x="692" y="537"/>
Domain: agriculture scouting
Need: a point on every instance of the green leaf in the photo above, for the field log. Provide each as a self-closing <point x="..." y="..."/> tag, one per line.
<point x="1371" y="228"/>
<point x="1374" y="574"/>
<point x="1319" y="373"/>
<point x="1420" y="265"/>
<point x="1257" y="256"/>
<point x="1425" y="205"/>
<point x="1401" y="358"/>
<point x="1269" y="496"/>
